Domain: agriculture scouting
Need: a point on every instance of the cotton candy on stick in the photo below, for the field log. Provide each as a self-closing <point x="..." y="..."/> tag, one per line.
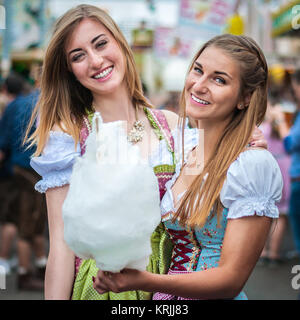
<point x="112" y="206"/>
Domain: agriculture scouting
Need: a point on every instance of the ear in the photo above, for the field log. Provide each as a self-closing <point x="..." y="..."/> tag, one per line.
<point x="240" y="106"/>
<point x="244" y="103"/>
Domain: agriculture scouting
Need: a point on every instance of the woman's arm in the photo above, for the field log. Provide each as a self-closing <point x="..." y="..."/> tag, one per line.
<point x="243" y="243"/>
<point x="60" y="266"/>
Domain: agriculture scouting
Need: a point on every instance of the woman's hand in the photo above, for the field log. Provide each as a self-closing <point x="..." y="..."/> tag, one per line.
<point x="244" y="240"/>
<point x="125" y="280"/>
<point x="258" y="139"/>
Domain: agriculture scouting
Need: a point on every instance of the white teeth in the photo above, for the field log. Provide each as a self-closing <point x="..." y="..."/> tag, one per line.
<point x="103" y="74"/>
<point x="199" y="100"/>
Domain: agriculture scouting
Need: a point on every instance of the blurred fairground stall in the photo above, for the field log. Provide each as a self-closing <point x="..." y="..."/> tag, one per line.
<point x="164" y="34"/>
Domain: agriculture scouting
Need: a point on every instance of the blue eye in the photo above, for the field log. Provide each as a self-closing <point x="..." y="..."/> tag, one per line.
<point x="198" y="70"/>
<point x="220" y="80"/>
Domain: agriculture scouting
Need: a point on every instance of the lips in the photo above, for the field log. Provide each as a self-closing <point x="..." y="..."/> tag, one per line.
<point x="199" y="100"/>
<point x="103" y="74"/>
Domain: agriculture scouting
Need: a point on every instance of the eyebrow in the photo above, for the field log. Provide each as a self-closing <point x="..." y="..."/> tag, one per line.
<point x="96" y="38"/>
<point x="216" y="72"/>
<point x="93" y="40"/>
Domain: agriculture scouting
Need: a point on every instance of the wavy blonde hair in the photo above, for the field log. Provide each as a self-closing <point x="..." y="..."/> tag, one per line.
<point x="63" y="100"/>
<point x="199" y="200"/>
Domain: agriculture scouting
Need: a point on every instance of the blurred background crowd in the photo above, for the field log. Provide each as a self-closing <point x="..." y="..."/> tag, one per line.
<point x="164" y="35"/>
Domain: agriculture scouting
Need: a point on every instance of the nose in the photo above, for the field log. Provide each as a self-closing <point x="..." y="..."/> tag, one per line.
<point x="201" y="85"/>
<point x="95" y="60"/>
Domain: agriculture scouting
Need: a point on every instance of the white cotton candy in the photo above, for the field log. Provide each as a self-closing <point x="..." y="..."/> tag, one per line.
<point x="112" y="206"/>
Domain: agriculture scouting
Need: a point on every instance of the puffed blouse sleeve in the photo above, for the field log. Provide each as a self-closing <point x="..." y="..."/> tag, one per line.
<point x="55" y="164"/>
<point x="253" y="185"/>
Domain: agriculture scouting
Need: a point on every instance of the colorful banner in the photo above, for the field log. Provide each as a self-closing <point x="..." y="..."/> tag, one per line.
<point x="169" y="42"/>
<point x="198" y="22"/>
<point x="209" y="17"/>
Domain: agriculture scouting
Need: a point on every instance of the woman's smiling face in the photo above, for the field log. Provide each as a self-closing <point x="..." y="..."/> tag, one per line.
<point x="95" y="58"/>
<point x="212" y="86"/>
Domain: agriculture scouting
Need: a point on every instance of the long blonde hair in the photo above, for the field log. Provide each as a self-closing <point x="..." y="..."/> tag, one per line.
<point x="204" y="196"/>
<point x="63" y="100"/>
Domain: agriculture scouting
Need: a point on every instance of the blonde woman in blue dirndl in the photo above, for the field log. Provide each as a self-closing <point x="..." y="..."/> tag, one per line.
<point x="217" y="209"/>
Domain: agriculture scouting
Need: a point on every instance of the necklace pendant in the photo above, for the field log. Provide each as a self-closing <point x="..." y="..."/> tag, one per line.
<point x="137" y="132"/>
<point x="138" y="125"/>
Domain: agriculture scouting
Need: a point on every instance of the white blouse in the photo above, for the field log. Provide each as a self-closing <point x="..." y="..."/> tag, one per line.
<point x="253" y="186"/>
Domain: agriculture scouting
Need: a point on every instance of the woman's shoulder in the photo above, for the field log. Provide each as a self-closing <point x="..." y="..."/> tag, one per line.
<point x="59" y="151"/>
<point x="59" y="135"/>
<point x="55" y="163"/>
<point x="58" y="141"/>
<point x="253" y="164"/>
<point x="253" y="184"/>
<point x="260" y="152"/>
<point x="252" y="156"/>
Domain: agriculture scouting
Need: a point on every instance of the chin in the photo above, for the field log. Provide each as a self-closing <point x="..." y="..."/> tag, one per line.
<point x="194" y="113"/>
<point x="106" y="88"/>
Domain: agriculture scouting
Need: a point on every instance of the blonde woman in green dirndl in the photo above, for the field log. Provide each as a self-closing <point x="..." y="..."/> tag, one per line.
<point x="89" y="67"/>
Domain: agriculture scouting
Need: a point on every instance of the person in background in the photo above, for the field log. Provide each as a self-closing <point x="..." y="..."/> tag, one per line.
<point x="12" y="90"/>
<point x="271" y="254"/>
<point x="31" y="207"/>
<point x="291" y="142"/>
